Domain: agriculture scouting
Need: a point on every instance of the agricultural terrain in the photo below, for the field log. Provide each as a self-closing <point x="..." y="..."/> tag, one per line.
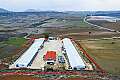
<point x="102" y="45"/>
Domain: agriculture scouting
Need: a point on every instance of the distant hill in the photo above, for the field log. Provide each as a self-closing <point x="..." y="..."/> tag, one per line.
<point x="95" y="13"/>
<point x="3" y="10"/>
<point x="81" y="13"/>
<point x="31" y="10"/>
<point x="34" y="10"/>
<point x="108" y="13"/>
<point x="41" y="13"/>
<point x="62" y="14"/>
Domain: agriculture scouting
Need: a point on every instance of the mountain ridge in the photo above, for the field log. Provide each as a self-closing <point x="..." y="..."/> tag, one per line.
<point x="2" y="10"/>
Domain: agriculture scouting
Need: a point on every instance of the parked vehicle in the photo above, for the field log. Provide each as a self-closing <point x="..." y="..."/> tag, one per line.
<point x="61" y="59"/>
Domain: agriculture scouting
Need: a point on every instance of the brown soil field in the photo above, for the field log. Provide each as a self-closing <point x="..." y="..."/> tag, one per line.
<point x="78" y="33"/>
<point x="82" y="33"/>
<point x="18" y="77"/>
<point x="115" y="26"/>
<point x="23" y="77"/>
<point x="111" y="25"/>
<point x="105" y="52"/>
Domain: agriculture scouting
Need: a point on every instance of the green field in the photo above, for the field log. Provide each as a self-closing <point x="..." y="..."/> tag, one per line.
<point x="105" y="52"/>
<point x="8" y="47"/>
<point x="17" y="41"/>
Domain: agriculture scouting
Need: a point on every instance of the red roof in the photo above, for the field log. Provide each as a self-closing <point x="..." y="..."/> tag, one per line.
<point x="50" y="55"/>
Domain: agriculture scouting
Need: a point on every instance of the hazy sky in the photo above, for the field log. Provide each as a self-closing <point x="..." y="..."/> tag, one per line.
<point x="60" y="5"/>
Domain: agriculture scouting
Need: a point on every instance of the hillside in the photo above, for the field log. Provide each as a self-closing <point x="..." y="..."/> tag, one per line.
<point x="108" y="13"/>
<point x="31" y="10"/>
<point x="3" y="10"/>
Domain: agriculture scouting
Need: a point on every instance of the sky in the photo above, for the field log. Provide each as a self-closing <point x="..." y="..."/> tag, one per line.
<point x="61" y="5"/>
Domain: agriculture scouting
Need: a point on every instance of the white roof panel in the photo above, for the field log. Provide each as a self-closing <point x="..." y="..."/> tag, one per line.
<point x="74" y="58"/>
<point x="25" y="59"/>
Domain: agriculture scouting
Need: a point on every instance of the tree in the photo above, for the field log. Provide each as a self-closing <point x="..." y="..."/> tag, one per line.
<point x="89" y="34"/>
<point x="46" y="35"/>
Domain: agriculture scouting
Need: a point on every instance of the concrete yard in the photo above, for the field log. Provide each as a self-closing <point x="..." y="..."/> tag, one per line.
<point x="51" y="45"/>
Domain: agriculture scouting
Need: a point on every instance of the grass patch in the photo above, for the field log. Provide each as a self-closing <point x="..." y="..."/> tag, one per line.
<point x="16" y="41"/>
